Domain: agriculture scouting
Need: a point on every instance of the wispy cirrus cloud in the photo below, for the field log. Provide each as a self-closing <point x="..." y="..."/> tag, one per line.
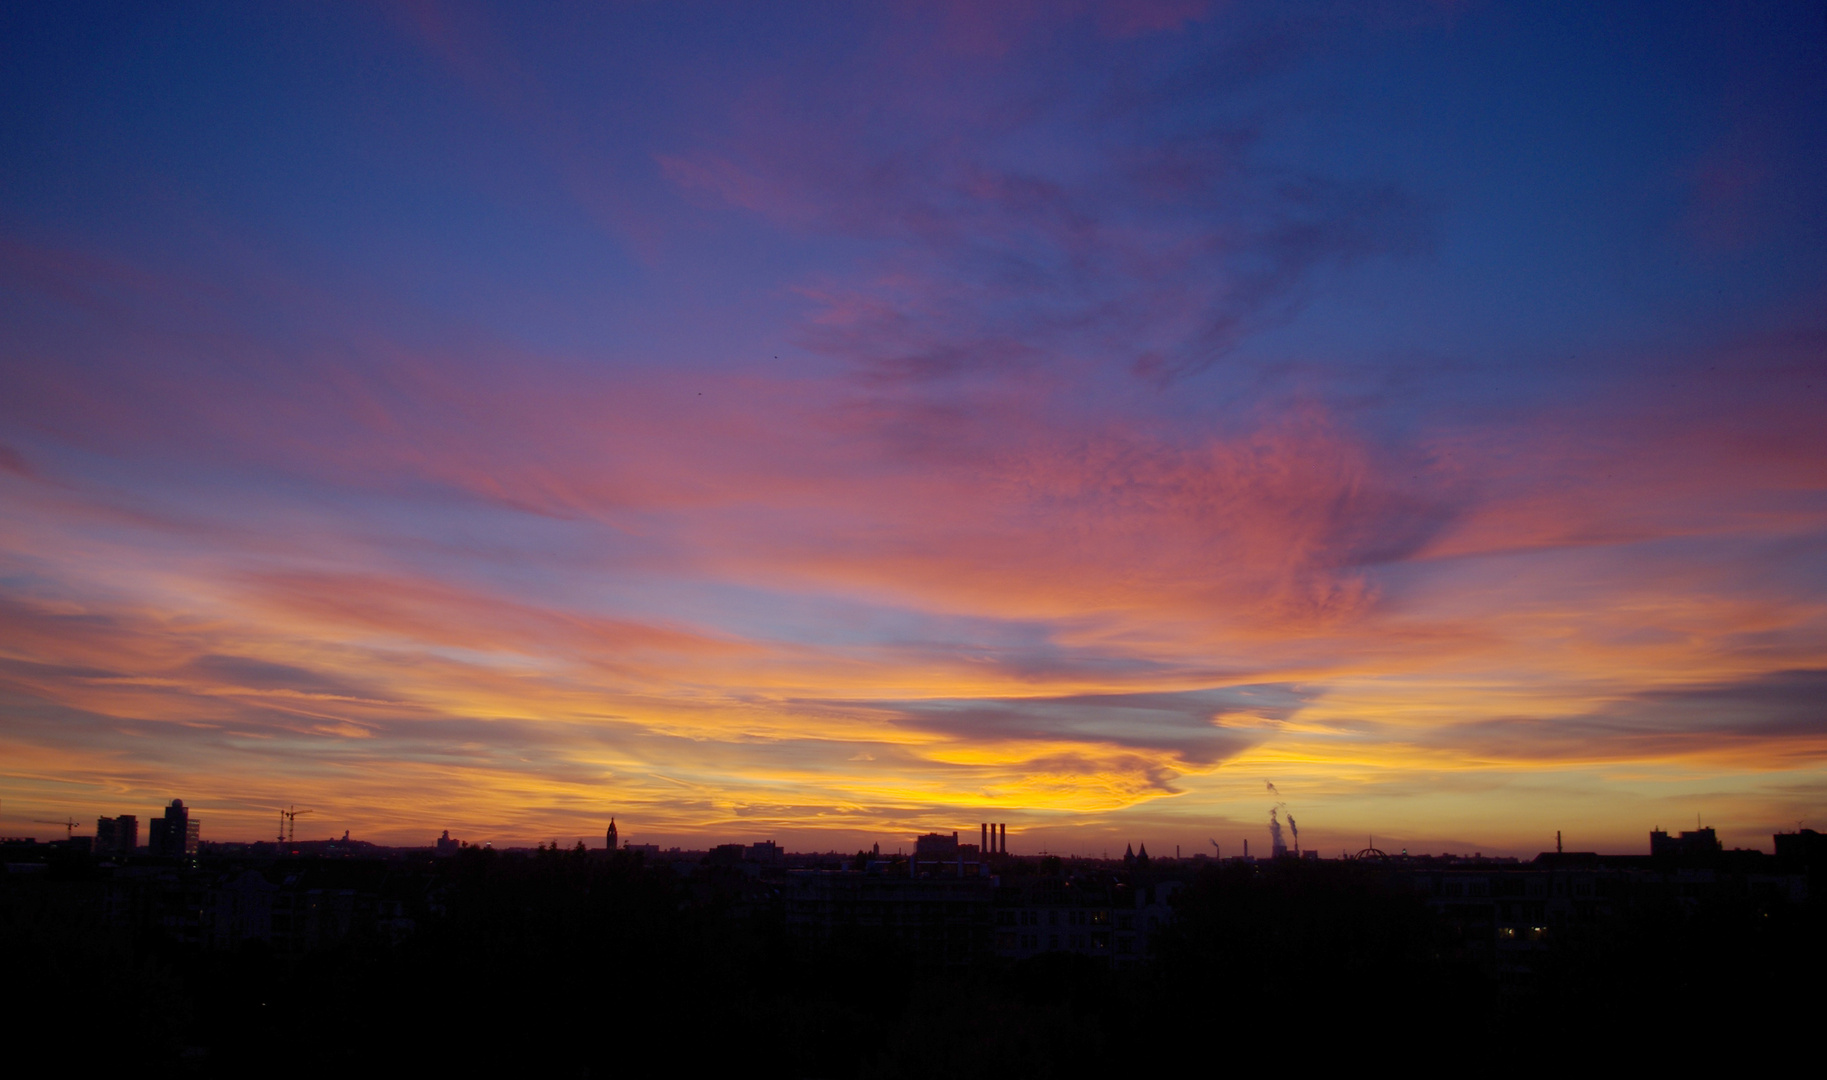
<point x="1772" y="721"/>
<point x="1162" y="251"/>
<point x="1189" y="725"/>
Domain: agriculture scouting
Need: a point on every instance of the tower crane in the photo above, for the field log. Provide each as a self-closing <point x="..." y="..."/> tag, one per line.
<point x="69" y="825"/>
<point x="288" y="824"/>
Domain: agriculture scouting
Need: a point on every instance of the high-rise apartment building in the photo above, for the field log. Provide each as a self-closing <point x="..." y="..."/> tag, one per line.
<point x="175" y="833"/>
<point x="117" y="835"/>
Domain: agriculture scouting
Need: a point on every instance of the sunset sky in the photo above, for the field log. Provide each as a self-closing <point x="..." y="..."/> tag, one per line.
<point x="833" y="422"/>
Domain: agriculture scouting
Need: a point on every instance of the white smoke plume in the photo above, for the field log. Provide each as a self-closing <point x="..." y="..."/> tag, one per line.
<point x="1277" y="847"/>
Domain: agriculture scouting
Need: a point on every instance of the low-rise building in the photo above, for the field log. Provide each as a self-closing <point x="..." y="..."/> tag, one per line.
<point x="1107" y="920"/>
<point x="937" y="921"/>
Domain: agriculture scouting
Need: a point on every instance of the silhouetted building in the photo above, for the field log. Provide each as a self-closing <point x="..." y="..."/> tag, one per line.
<point x="1698" y="842"/>
<point x="447" y="846"/>
<point x="294" y="915"/>
<point x="1804" y="851"/>
<point x="1805" y="846"/>
<point x="117" y="835"/>
<point x="935" y="846"/>
<point x="942" y="854"/>
<point x="612" y="835"/>
<point x="175" y="834"/>
<point x="938" y="922"/>
<point x="726" y="855"/>
<point x="1103" y="921"/>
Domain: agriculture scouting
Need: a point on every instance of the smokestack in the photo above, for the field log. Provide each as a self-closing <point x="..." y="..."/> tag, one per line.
<point x="1002" y="842"/>
<point x="1295" y="829"/>
<point x="1557" y="841"/>
<point x="983" y="838"/>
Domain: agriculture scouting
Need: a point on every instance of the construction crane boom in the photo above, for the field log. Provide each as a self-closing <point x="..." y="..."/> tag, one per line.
<point x="69" y="825"/>
<point x="288" y="823"/>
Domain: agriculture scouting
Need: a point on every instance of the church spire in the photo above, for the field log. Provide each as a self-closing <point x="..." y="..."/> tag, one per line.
<point x="612" y="843"/>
